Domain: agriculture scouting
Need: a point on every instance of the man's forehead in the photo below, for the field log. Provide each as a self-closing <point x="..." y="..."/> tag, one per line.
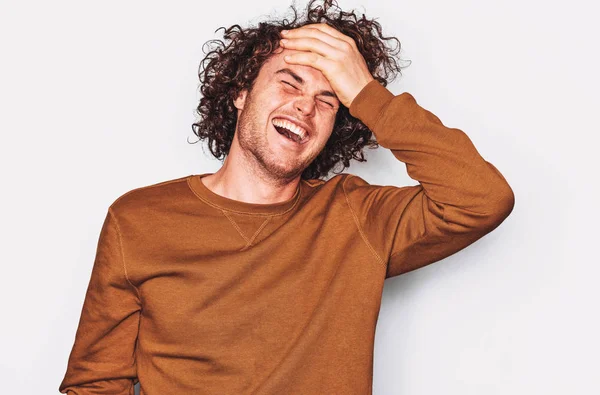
<point x="277" y="67"/>
<point x="276" y="63"/>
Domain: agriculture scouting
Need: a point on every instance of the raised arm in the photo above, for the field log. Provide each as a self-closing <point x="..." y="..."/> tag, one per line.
<point x="460" y="196"/>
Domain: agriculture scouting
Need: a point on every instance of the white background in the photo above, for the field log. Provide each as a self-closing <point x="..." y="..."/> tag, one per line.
<point x="98" y="98"/>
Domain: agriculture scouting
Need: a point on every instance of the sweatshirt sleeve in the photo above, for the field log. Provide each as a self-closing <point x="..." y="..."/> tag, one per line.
<point x="102" y="360"/>
<point x="460" y="196"/>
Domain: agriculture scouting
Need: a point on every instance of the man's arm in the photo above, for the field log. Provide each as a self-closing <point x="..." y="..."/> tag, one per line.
<point x="460" y="196"/>
<point x="102" y="360"/>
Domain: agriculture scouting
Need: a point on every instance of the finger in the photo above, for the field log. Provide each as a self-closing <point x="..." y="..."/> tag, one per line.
<point x="312" y="44"/>
<point x="311" y="59"/>
<point x="307" y="31"/>
<point x="331" y="31"/>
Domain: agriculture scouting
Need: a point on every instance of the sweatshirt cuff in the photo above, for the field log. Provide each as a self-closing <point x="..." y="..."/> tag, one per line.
<point x="369" y="103"/>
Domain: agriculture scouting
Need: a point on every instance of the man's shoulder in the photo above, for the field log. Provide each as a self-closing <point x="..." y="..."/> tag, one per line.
<point x="151" y="194"/>
<point x="345" y="181"/>
<point x="341" y="185"/>
<point x="334" y="184"/>
<point x="336" y="179"/>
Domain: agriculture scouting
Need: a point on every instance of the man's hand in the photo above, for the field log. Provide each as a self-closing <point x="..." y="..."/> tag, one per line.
<point x="334" y="54"/>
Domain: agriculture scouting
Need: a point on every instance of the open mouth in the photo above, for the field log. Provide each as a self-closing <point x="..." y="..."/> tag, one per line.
<point x="297" y="136"/>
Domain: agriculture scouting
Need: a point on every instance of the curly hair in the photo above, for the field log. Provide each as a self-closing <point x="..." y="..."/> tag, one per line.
<point x="231" y="68"/>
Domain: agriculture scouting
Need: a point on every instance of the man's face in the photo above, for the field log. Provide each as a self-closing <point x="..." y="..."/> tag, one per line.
<point x="285" y="92"/>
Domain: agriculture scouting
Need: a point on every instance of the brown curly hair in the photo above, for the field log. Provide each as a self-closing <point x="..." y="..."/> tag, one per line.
<point x="234" y="67"/>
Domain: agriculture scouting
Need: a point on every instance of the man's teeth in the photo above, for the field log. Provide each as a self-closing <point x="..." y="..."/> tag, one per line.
<point x="291" y="127"/>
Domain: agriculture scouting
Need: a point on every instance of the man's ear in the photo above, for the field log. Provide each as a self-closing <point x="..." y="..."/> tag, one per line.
<point x="240" y="101"/>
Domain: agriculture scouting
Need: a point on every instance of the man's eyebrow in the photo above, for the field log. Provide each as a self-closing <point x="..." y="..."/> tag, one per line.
<point x="301" y="82"/>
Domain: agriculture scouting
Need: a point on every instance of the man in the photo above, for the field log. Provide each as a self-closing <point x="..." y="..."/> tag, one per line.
<point x="257" y="280"/>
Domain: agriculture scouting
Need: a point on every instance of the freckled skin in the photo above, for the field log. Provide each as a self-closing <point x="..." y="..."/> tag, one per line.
<point x="261" y="148"/>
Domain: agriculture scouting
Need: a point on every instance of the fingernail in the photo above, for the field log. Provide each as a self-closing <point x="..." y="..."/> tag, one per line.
<point x="284" y="31"/>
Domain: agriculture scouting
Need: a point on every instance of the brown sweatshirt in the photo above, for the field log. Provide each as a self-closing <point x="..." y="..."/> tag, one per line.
<point x="195" y="293"/>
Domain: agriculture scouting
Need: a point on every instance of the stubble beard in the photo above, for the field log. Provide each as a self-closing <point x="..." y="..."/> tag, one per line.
<point x="276" y="162"/>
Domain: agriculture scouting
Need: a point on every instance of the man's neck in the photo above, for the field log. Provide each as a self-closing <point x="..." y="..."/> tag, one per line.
<point x="240" y="183"/>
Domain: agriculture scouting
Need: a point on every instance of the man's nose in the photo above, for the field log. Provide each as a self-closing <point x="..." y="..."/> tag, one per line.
<point x="305" y="105"/>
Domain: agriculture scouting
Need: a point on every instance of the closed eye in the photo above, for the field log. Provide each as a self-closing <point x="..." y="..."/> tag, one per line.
<point x="285" y="82"/>
<point x="330" y="105"/>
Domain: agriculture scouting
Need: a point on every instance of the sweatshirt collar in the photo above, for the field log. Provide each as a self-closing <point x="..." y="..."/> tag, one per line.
<point x="222" y="202"/>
